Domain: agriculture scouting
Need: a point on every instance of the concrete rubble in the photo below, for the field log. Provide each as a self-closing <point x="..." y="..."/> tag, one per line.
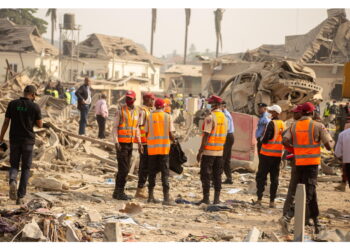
<point x="72" y="179"/>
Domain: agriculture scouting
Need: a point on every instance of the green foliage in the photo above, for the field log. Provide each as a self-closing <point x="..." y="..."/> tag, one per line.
<point x="24" y="17"/>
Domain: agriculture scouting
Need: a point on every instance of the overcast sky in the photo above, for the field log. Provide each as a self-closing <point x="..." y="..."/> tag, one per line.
<point x="242" y="29"/>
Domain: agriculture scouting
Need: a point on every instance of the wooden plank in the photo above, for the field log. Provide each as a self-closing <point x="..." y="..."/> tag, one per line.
<point x="300" y="205"/>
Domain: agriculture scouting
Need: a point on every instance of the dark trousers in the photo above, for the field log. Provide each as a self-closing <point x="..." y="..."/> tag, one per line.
<point x="347" y="172"/>
<point x="288" y="207"/>
<point x="84" y="110"/>
<point x="259" y="145"/>
<point x="308" y="175"/>
<point x="20" y="152"/>
<point x="143" y="168"/>
<point x="268" y="165"/>
<point x="101" y="121"/>
<point x="227" y="155"/>
<point x="158" y="163"/>
<point x="123" y="158"/>
<point x="344" y="175"/>
<point x="211" y="167"/>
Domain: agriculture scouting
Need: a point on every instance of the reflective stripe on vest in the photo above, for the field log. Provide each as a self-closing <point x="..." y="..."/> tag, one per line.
<point x="143" y="134"/>
<point x="306" y="150"/>
<point x="158" y="140"/>
<point x="217" y="137"/>
<point x="127" y="127"/>
<point x="274" y="146"/>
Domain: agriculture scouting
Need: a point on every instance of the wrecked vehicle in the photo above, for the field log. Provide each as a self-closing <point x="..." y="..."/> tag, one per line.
<point x="281" y="82"/>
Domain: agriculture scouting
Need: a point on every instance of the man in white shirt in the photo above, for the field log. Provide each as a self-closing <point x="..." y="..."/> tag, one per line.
<point x="101" y="112"/>
<point x="342" y="151"/>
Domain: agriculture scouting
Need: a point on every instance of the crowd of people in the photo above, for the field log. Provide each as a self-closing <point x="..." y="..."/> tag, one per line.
<point x="151" y="127"/>
<point x="57" y="90"/>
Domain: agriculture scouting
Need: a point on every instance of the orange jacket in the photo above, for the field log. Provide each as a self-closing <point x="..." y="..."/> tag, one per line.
<point x="218" y="134"/>
<point x="306" y="150"/>
<point x="128" y="125"/>
<point x="158" y="129"/>
<point x="143" y="134"/>
<point x="167" y="107"/>
<point x="274" y="147"/>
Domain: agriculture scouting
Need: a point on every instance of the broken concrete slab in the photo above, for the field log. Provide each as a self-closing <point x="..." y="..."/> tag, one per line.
<point x="71" y="235"/>
<point x="300" y="203"/>
<point x="329" y="236"/>
<point x="253" y="235"/>
<point x="275" y="238"/>
<point x="32" y="232"/>
<point x="50" y="184"/>
<point x="94" y="216"/>
<point x="112" y="232"/>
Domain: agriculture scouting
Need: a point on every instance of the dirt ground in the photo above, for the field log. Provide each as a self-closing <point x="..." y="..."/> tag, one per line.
<point x="184" y="222"/>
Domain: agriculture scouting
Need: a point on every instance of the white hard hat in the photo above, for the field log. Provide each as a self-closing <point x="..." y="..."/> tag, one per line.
<point x="275" y="108"/>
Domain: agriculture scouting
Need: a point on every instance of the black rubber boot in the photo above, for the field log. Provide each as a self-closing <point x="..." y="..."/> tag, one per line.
<point x="120" y="195"/>
<point x="166" y="200"/>
<point x="228" y="181"/>
<point x="205" y="199"/>
<point x="217" y="197"/>
<point x="151" y="198"/>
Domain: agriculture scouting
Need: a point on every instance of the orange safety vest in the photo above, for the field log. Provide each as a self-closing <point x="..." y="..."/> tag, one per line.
<point x="128" y="125"/>
<point x="158" y="140"/>
<point x="274" y="147"/>
<point x="167" y="107"/>
<point x="142" y="128"/>
<point x="217" y="137"/>
<point x="306" y="150"/>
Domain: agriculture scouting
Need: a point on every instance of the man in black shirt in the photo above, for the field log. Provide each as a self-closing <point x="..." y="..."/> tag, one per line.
<point x="23" y="114"/>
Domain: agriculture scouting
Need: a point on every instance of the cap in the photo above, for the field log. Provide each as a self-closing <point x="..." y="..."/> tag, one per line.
<point x="261" y="105"/>
<point x="297" y="109"/>
<point x="308" y="107"/>
<point x="30" y="89"/>
<point x="275" y="108"/>
<point x="131" y="94"/>
<point x="214" y="99"/>
<point x="159" y="103"/>
<point x="149" y="95"/>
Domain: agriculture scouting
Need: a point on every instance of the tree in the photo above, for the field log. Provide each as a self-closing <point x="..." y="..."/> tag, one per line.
<point x="53" y="14"/>
<point x="24" y="17"/>
<point x="218" y="18"/>
<point x="154" y="22"/>
<point x="188" y="17"/>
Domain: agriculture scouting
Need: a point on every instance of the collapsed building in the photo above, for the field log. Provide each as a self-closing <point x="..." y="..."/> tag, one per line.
<point x="24" y="48"/>
<point x="321" y="52"/>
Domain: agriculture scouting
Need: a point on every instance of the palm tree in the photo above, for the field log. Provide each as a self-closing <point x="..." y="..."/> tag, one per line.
<point x="218" y="18"/>
<point x="188" y="17"/>
<point x="53" y="14"/>
<point x="154" y="21"/>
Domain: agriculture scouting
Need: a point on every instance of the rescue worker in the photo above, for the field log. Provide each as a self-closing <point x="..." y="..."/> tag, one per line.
<point x="288" y="206"/>
<point x="210" y="153"/>
<point x="68" y="96"/>
<point x="167" y="102"/>
<point x="305" y="136"/>
<point x="124" y="131"/>
<point x="159" y="129"/>
<point x="262" y="123"/>
<point x="144" y="113"/>
<point x="228" y="145"/>
<point x="333" y="112"/>
<point x="327" y="113"/>
<point x="271" y="155"/>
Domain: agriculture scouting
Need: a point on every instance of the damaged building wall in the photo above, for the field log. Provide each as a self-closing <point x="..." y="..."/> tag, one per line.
<point x="329" y="77"/>
<point x="217" y="75"/>
<point x="112" y="58"/>
<point x="29" y="60"/>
